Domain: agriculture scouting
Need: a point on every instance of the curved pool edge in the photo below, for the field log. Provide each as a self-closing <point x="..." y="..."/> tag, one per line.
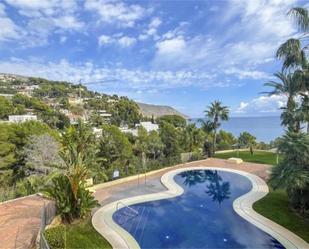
<point x="119" y="238"/>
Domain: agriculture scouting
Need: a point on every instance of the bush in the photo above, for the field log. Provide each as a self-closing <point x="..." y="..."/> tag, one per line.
<point x="55" y="237"/>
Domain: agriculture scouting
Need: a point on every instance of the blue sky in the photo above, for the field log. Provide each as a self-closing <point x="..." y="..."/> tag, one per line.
<point x="179" y="53"/>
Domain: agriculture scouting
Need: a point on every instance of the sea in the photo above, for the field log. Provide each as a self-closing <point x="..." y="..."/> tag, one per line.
<point x="265" y="129"/>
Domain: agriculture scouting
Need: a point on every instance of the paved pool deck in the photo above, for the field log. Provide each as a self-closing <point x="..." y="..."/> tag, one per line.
<point x="20" y="221"/>
<point x="153" y="184"/>
<point x="20" y="218"/>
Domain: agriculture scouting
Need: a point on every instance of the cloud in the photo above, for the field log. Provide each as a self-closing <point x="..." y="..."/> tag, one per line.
<point x="152" y="30"/>
<point x="171" y="47"/>
<point x="68" y="23"/>
<point x="126" y="41"/>
<point x="242" y="107"/>
<point x="247" y="35"/>
<point x="111" y="78"/>
<point x="262" y="105"/>
<point x="116" y="12"/>
<point x="9" y="30"/>
<point x="41" y="19"/>
<point x="247" y="74"/>
<point x="122" y="41"/>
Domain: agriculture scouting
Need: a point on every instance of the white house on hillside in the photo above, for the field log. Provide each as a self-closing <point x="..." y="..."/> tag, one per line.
<point x="149" y="126"/>
<point x="21" y="118"/>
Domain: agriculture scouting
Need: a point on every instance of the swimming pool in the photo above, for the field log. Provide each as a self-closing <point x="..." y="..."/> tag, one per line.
<point x="202" y="217"/>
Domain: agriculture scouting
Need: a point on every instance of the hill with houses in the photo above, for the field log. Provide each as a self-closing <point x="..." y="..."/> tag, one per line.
<point x="70" y="102"/>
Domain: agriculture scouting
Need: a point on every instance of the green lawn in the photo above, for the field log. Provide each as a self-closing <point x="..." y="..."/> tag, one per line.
<point x="257" y="157"/>
<point x="275" y="206"/>
<point x="80" y="235"/>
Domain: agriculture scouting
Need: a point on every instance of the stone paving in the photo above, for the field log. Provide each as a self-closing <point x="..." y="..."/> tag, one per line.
<point x="153" y="184"/>
<point x="20" y="222"/>
<point x="20" y="219"/>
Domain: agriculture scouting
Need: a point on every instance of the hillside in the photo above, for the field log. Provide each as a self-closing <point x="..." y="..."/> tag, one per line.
<point x="64" y="96"/>
<point x="156" y="111"/>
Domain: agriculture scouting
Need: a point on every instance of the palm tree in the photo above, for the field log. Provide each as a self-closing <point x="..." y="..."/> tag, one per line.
<point x="216" y="112"/>
<point x="192" y="177"/>
<point x="217" y="189"/>
<point x="292" y="118"/>
<point x="292" y="173"/>
<point x="288" y="85"/>
<point x="294" y="56"/>
<point x="291" y="52"/>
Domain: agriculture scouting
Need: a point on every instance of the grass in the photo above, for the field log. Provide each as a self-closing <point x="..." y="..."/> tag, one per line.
<point x="275" y="206"/>
<point x="78" y="235"/>
<point x="264" y="157"/>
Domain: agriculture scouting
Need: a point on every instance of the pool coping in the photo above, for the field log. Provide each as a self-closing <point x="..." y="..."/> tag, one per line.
<point x="119" y="238"/>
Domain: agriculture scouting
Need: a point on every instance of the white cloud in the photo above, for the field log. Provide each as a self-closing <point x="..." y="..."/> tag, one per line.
<point x="242" y="107"/>
<point x="155" y="22"/>
<point x="116" y="11"/>
<point x="262" y="105"/>
<point x="247" y="74"/>
<point x="119" y="39"/>
<point x="68" y="22"/>
<point x="248" y="34"/>
<point x="152" y="30"/>
<point x="9" y="30"/>
<point x="36" y="8"/>
<point x="126" y="41"/>
<point x="171" y="47"/>
<point x="110" y="78"/>
<point x="43" y="18"/>
<point x="104" y="39"/>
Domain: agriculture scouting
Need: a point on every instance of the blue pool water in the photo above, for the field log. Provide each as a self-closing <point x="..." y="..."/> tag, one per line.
<point x="202" y="217"/>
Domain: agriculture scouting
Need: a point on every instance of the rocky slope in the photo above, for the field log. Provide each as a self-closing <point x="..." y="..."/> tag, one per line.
<point x="158" y="110"/>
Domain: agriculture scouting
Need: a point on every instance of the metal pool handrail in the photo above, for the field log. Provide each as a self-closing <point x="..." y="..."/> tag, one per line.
<point x="132" y="209"/>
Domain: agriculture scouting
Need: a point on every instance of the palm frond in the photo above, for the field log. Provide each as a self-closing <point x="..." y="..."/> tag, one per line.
<point x="301" y="16"/>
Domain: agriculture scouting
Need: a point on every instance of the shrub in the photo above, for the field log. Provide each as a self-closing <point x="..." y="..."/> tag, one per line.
<point x="55" y="237"/>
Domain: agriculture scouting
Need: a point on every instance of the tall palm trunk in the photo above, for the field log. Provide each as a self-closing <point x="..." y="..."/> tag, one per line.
<point x="214" y="142"/>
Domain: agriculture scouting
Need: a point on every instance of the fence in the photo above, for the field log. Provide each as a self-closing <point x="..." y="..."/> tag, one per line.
<point x="47" y="214"/>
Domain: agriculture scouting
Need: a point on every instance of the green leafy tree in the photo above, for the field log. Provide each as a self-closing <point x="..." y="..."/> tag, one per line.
<point x="170" y="138"/>
<point x="6" y="109"/>
<point x="225" y="140"/>
<point x="175" y="120"/>
<point x="216" y="112"/>
<point x="155" y="145"/>
<point x="115" y="148"/>
<point x="247" y="140"/>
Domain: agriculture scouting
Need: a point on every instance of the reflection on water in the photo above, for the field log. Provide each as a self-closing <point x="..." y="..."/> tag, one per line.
<point x="202" y="217"/>
<point x="216" y="188"/>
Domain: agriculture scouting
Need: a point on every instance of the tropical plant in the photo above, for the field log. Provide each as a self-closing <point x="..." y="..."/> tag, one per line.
<point x="69" y="209"/>
<point x="292" y="173"/>
<point x="216" y="112"/>
<point x="288" y="86"/>
<point x="247" y="140"/>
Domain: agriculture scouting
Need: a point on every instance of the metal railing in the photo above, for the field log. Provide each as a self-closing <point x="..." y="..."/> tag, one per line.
<point x="130" y="208"/>
<point x="48" y="212"/>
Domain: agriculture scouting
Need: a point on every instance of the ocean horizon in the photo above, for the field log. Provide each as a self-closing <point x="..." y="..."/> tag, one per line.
<point x="265" y="129"/>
